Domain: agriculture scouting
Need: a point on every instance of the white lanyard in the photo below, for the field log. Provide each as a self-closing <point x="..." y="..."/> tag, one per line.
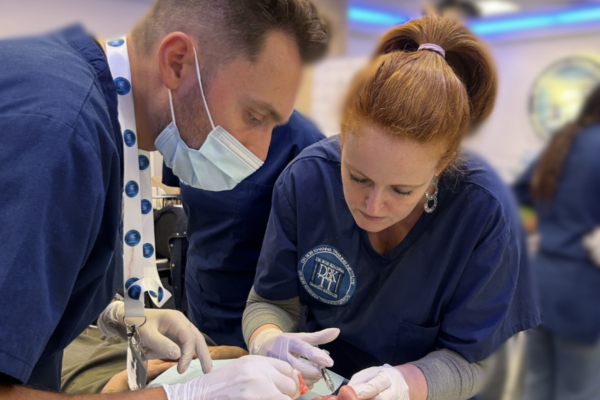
<point x="139" y="267"/>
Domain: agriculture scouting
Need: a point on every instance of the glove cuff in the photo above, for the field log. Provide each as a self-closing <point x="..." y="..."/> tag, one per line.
<point x="257" y="345"/>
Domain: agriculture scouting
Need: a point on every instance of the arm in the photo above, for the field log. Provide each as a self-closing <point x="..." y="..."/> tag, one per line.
<point x="261" y="314"/>
<point x="16" y="392"/>
<point x="441" y="375"/>
<point x="263" y="325"/>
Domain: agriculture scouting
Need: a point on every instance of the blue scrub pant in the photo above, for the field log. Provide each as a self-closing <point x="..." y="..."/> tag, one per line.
<point x="558" y="368"/>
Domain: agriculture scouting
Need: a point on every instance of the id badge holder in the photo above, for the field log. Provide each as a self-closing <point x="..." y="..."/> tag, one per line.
<point x="137" y="362"/>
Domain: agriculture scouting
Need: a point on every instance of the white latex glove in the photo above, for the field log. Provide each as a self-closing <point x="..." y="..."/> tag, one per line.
<point x="166" y="334"/>
<point x="288" y="346"/>
<point x="591" y="242"/>
<point x="380" y="383"/>
<point x="247" y="378"/>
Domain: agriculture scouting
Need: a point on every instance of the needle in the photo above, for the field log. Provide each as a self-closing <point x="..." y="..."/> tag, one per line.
<point x="327" y="378"/>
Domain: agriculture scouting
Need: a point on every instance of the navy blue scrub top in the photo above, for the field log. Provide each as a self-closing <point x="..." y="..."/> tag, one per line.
<point x="226" y="231"/>
<point x="459" y="280"/>
<point x="61" y="186"/>
<point x="567" y="281"/>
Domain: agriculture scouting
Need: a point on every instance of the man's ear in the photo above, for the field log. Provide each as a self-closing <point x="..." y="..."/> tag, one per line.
<point x="176" y="59"/>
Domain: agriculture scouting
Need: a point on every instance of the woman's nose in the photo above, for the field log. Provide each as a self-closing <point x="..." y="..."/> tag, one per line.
<point x="374" y="202"/>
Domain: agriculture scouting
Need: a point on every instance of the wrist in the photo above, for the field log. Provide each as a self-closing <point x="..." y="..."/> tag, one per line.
<point x="109" y="319"/>
<point x="416" y="381"/>
<point x="262" y="335"/>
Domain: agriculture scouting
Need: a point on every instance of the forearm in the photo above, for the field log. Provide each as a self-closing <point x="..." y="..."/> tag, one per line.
<point x="444" y="375"/>
<point x="261" y="314"/>
<point x="416" y="381"/>
<point x="16" y="392"/>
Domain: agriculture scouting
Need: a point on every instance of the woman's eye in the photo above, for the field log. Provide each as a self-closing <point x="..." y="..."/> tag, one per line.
<point x="400" y="192"/>
<point x="355" y="179"/>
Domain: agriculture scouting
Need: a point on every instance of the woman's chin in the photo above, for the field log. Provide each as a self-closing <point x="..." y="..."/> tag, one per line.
<point x="370" y="225"/>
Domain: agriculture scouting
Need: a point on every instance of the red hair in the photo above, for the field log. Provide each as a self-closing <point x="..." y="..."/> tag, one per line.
<point x="421" y="95"/>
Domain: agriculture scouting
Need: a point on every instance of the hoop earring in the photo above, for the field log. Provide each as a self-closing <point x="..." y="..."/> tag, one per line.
<point x="431" y="197"/>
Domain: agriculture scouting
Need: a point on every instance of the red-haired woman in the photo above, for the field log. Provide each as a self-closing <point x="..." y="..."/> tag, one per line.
<point x="390" y="238"/>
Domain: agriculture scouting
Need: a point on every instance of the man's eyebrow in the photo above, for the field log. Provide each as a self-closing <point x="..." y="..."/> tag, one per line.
<point x="267" y="108"/>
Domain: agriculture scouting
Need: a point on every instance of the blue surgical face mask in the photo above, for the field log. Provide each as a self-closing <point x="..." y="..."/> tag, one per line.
<point x="220" y="164"/>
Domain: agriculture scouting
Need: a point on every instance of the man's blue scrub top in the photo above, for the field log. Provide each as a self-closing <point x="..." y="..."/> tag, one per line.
<point x="459" y="280"/>
<point x="567" y="280"/>
<point x="61" y="186"/>
<point x="226" y="231"/>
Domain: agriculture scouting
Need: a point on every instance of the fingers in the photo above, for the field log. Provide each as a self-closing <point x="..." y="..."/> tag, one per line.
<point x="202" y="352"/>
<point x="373" y="387"/>
<point x="320" y="337"/>
<point x="192" y="340"/>
<point x="159" y="346"/>
<point x="285" y="384"/>
<point x="310" y="373"/>
<point x="281" y="366"/>
<point x="347" y="393"/>
<point x="311" y="353"/>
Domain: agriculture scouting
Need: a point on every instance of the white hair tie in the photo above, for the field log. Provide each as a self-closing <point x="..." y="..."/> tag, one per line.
<point x="433" y="47"/>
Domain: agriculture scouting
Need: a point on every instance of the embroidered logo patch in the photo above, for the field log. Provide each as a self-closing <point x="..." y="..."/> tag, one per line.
<point x="327" y="276"/>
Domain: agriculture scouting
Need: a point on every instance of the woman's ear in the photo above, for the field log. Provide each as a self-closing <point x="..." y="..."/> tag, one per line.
<point x="444" y="165"/>
<point x="176" y="59"/>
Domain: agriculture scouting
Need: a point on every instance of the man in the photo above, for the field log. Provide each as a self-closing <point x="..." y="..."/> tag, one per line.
<point x="62" y="245"/>
<point x="226" y="230"/>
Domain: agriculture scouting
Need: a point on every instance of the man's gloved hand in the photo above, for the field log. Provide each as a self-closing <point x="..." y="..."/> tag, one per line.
<point x="166" y="334"/>
<point x="288" y="346"/>
<point x="591" y="242"/>
<point x="247" y="378"/>
<point x="380" y="383"/>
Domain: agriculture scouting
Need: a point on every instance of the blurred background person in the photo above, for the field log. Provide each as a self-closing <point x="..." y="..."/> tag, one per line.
<point x="563" y="354"/>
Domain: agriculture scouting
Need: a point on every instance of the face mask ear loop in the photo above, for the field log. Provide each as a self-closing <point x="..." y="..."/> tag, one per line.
<point x="202" y="90"/>
<point x="172" y="109"/>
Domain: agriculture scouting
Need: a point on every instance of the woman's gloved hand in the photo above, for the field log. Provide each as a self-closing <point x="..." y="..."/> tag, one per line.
<point x="247" y="378"/>
<point x="380" y="383"/>
<point x="166" y="334"/>
<point x="288" y="346"/>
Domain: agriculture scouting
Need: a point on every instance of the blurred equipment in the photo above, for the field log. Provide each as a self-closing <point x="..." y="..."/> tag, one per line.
<point x="170" y="225"/>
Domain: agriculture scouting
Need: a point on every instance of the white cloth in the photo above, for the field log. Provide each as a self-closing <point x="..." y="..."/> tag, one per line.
<point x="380" y="383"/>
<point x="248" y="378"/>
<point x="166" y="334"/>
<point x="288" y="346"/>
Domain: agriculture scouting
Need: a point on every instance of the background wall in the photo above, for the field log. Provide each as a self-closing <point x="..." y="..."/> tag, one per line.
<point x="508" y="139"/>
<point x="105" y="18"/>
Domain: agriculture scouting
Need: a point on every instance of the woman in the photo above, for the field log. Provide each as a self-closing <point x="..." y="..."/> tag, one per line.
<point x="388" y="236"/>
<point x="564" y="352"/>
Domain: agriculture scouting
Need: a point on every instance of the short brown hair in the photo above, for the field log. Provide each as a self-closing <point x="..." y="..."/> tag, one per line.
<point x="421" y="95"/>
<point x="226" y="28"/>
